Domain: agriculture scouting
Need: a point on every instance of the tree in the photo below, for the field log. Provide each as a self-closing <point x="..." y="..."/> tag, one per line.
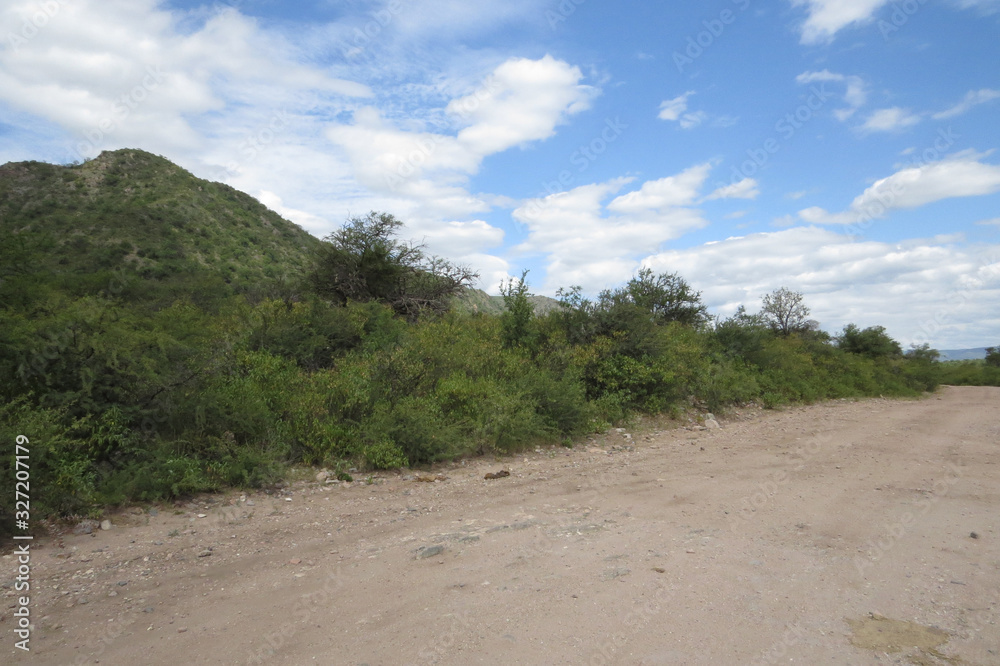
<point x="872" y="342"/>
<point x="742" y="335"/>
<point x="518" y="319"/>
<point x="667" y="297"/>
<point x="993" y="357"/>
<point x="363" y="261"/>
<point x="923" y="353"/>
<point x="785" y="312"/>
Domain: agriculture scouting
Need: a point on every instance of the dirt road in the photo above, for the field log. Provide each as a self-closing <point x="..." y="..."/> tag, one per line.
<point x="842" y="533"/>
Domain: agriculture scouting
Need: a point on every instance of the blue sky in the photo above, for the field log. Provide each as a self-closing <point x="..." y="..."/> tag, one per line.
<point x="842" y="149"/>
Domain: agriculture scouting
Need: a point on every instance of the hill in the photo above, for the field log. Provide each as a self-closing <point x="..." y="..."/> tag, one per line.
<point x="134" y="211"/>
<point x="477" y="300"/>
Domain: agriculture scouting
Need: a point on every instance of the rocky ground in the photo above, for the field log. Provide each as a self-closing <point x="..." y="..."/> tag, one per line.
<point x="841" y="533"/>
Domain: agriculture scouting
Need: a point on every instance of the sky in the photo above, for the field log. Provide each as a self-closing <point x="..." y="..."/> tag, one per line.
<point x="844" y="149"/>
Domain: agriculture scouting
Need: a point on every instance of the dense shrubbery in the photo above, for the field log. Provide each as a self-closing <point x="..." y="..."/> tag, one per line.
<point x="136" y="394"/>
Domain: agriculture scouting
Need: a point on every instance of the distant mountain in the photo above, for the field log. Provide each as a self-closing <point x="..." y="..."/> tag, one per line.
<point x="962" y="354"/>
<point x="478" y="300"/>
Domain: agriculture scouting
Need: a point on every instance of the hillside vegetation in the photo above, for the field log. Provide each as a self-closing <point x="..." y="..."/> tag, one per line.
<point x="164" y="335"/>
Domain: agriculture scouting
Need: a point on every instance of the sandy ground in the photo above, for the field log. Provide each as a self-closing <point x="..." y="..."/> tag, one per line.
<point x="841" y="533"/>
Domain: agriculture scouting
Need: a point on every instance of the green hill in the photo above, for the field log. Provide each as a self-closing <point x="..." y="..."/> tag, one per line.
<point x="130" y="210"/>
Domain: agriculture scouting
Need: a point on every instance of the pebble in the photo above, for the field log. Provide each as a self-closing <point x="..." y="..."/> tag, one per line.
<point x="205" y="553"/>
<point x="181" y="630"/>
<point x="430" y="552"/>
<point x="106" y="525"/>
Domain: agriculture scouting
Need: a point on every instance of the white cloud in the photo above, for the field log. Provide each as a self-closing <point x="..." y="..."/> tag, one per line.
<point x="855" y="93"/>
<point x="124" y="72"/>
<point x="971" y="99"/>
<point x="595" y="245"/>
<point x="248" y="103"/>
<point x="921" y="290"/>
<point x="962" y="175"/>
<point x="307" y="221"/>
<point x="828" y="17"/>
<point x="521" y="101"/>
<point x="744" y="189"/>
<point x="676" y="110"/>
<point x="890" y="120"/>
<point x="669" y="192"/>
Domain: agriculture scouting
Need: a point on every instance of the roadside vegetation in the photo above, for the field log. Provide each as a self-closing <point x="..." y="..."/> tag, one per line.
<point x="136" y="382"/>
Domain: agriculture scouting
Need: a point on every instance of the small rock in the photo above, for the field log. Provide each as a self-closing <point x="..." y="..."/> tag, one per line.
<point x="973" y="535"/>
<point x="295" y="560"/>
<point x="712" y="424"/>
<point x="147" y="609"/>
<point x="497" y="475"/>
<point x="430" y="552"/>
<point x="112" y="593"/>
<point x="205" y="553"/>
<point x="106" y="525"/>
<point x="181" y="630"/>
<point x="122" y="583"/>
<point x="83" y="601"/>
<point x="201" y="515"/>
<point x="322" y="476"/>
<point x="85" y="527"/>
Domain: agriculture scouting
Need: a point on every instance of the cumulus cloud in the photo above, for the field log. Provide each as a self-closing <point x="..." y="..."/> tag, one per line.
<point x="675" y="110"/>
<point x="672" y="191"/>
<point x="890" y="120"/>
<point x="962" y="175"/>
<point x="520" y="101"/>
<point x="855" y="93"/>
<point x="248" y="103"/>
<point x="828" y="17"/>
<point x="744" y="189"/>
<point x="936" y="285"/>
<point x="124" y="72"/>
<point x="971" y="99"/>
<point x="594" y="244"/>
